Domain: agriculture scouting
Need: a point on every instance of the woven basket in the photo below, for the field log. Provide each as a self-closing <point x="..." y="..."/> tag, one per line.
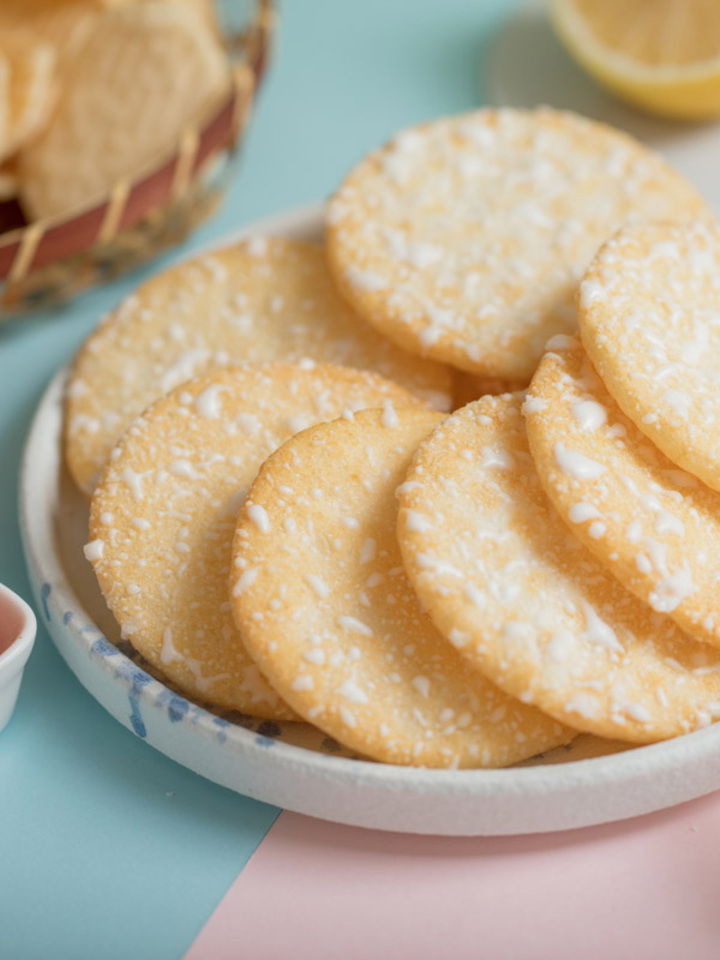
<point x="49" y="261"/>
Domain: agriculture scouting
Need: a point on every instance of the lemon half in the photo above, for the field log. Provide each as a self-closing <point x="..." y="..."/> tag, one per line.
<point x="660" y="55"/>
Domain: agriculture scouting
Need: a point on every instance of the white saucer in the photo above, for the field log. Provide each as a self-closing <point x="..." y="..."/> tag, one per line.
<point x="293" y="765"/>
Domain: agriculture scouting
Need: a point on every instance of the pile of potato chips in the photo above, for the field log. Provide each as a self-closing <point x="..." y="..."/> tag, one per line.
<point x="91" y="91"/>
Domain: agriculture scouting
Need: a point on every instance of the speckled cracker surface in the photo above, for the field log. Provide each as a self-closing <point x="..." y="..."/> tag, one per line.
<point x="31" y="89"/>
<point x="262" y="300"/>
<point x="465" y="238"/>
<point x="326" y="609"/>
<point x="163" y="516"/>
<point x="654" y="526"/>
<point x="649" y="317"/>
<point x="522" y="599"/>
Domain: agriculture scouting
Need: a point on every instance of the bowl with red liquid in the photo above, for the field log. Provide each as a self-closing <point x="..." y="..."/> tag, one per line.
<point x="17" y="636"/>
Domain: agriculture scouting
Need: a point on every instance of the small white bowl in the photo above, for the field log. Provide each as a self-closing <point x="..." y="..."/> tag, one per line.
<point x="17" y="637"/>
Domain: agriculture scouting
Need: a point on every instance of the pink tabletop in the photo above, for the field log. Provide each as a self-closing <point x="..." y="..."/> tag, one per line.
<point x="645" y="888"/>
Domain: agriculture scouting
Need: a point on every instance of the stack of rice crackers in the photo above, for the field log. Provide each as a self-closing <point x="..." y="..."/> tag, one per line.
<point x="286" y="521"/>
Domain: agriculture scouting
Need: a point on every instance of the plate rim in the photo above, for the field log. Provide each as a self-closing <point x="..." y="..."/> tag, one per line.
<point x="668" y="760"/>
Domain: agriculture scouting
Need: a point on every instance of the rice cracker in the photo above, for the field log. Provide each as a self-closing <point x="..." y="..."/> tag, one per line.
<point x="325" y="608"/>
<point x="465" y="238"/>
<point x="163" y="516"/>
<point x="64" y="24"/>
<point x="523" y="600"/>
<point x="31" y="88"/>
<point x="649" y="317"/>
<point x="260" y="300"/>
<point x="654" y="526"/>
<point x="142" y="73"/>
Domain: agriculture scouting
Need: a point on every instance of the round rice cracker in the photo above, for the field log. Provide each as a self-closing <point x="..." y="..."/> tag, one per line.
<point x="163" y="516"/>
<point x="257" y="301"/>
<point x="522" y="600"/>
<point x="31" y="88"/>
<point x="648" y="312"/>
<point x="655" y="527"/>
<point x="325" y="608"/>
<point x="5" y="126"/>
<point x="64" y="25"/>
<point x="142" y="73"/>
<point x="465" y="239"/>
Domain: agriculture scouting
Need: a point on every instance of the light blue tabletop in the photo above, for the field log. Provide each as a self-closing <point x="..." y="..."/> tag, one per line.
<point x="108" y="849"/>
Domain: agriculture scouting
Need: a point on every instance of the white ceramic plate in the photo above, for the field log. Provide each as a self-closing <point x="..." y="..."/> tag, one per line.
<point x="293" y="765"/>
